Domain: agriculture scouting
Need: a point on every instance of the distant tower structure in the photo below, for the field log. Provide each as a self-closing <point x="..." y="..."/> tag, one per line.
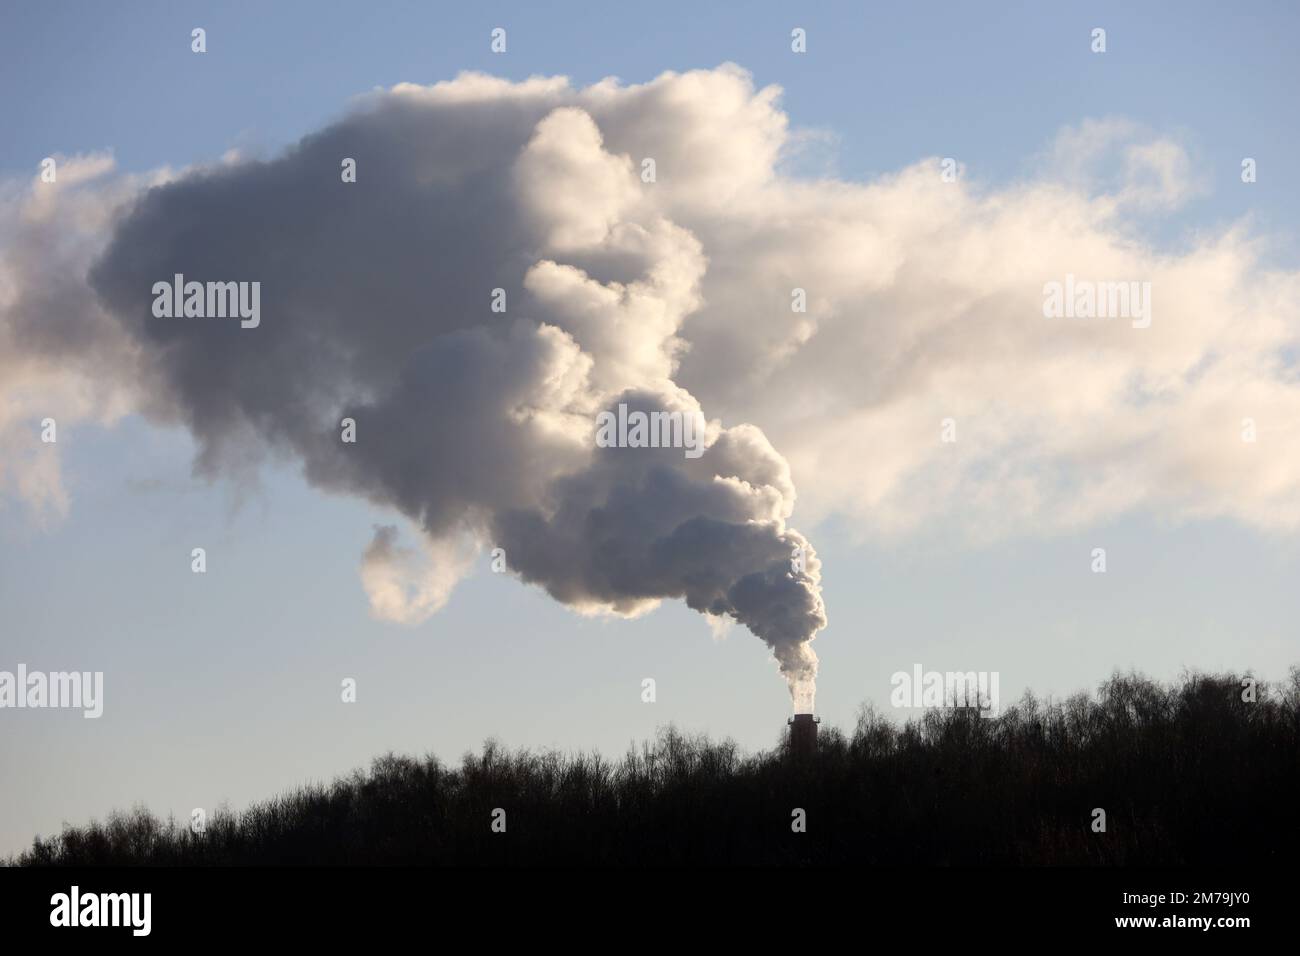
<point x="803" y="736"/>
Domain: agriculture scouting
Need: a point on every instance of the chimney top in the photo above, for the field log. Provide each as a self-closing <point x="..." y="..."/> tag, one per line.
<point x="803" y="735"/>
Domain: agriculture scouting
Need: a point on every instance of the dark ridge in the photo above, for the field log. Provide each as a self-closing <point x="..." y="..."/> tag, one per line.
<point x="1187" y="774"/>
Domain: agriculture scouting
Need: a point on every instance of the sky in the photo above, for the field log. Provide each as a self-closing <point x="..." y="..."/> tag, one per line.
<point x="225" y="687"/>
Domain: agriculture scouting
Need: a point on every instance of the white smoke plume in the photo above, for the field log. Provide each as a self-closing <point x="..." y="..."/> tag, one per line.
<point x="473" y="424"/>
<point x="405" y="585"/>
<point x="924" y="303"/>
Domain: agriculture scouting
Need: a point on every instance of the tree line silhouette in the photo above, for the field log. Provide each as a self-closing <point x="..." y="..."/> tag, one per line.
<point x="1194" y="772"/>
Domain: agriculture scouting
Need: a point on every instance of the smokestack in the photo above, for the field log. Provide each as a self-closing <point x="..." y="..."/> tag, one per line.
<point x="803" y="736"/>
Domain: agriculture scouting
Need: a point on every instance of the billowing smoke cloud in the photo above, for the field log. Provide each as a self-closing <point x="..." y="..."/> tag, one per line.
<point x="375" y="306"/>
<point x="670" y="293"/>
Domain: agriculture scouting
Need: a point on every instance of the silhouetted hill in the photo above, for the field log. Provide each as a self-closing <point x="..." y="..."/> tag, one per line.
<point x="1186" y="774"/>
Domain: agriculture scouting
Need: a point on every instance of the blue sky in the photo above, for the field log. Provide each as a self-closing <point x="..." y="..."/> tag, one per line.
<point x="225" y="687"/>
